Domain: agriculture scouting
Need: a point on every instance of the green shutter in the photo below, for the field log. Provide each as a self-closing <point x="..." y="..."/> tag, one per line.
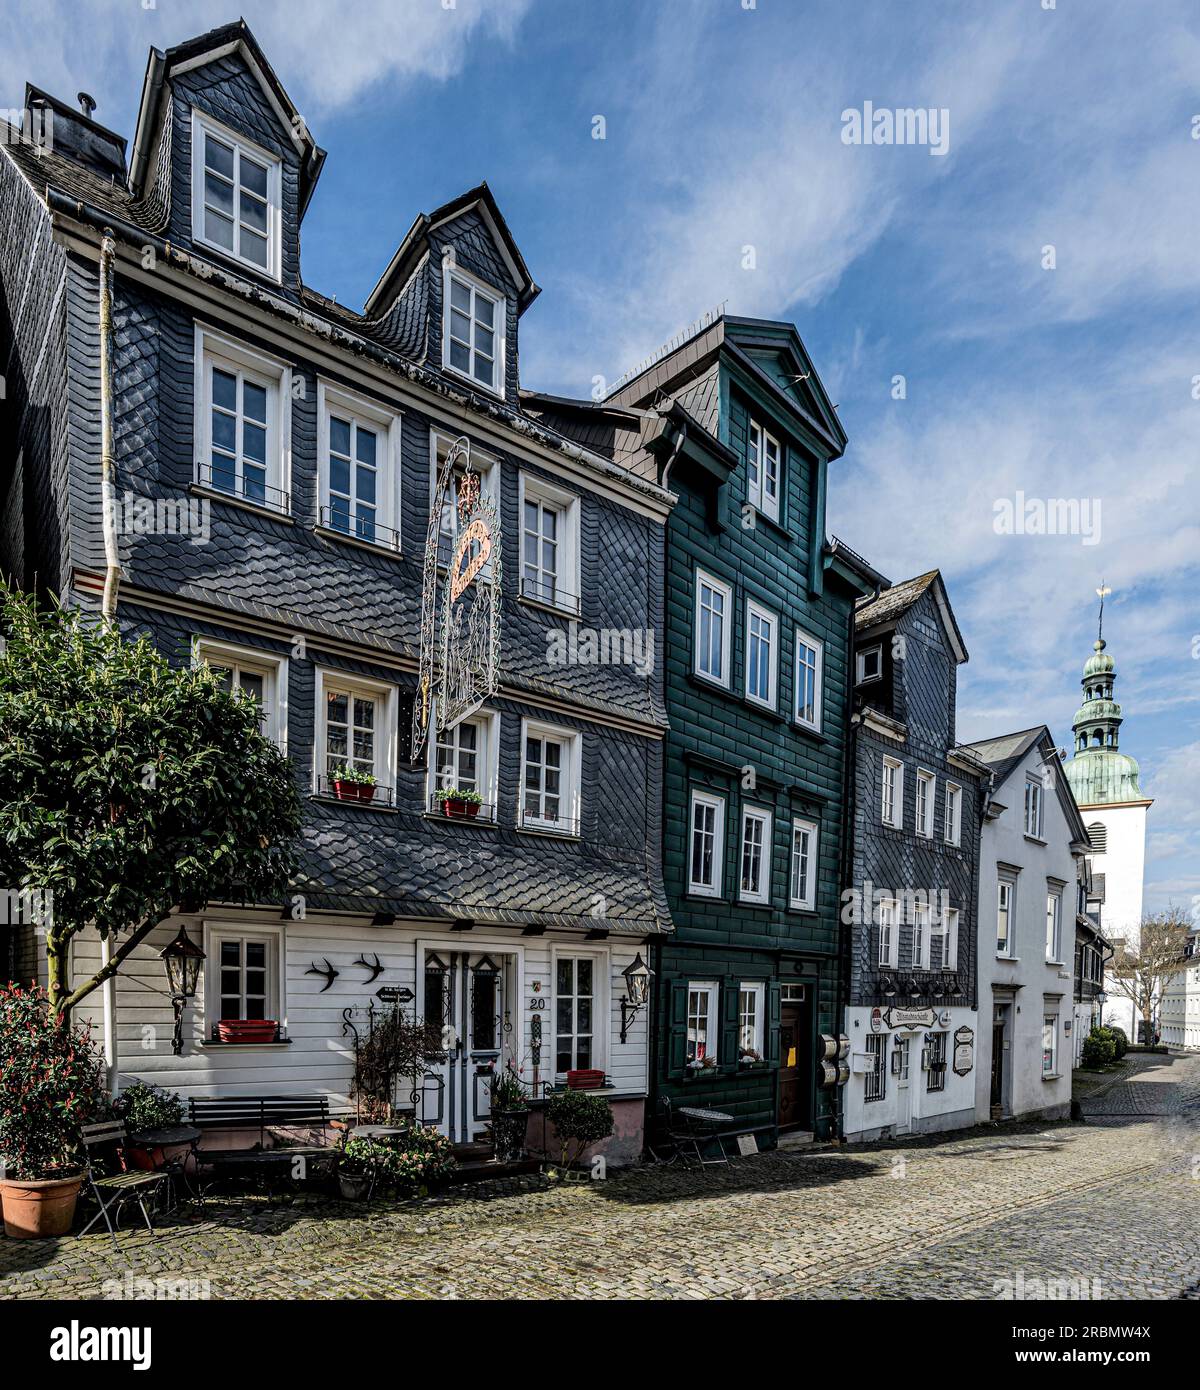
<point x="728" y="1057"/>
<point x="677" y="1028"/>
<point x="773" y="1022"/>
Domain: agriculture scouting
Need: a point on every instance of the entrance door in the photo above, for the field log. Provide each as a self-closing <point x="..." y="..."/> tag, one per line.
<point x="997" y="1065"/>
<point x="903" y="1054"/>
<point x="795" y="1059"/>
<point x="467" y="992"/>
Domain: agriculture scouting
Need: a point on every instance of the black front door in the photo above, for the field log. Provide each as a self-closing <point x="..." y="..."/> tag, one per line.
<point x="998" y="1064"/>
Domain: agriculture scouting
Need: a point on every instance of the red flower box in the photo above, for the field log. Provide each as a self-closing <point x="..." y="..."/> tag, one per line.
<point x="247" y="1030"/>
<point x="589" y="1079"/>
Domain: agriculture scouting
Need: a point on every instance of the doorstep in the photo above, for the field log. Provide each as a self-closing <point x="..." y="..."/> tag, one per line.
<point x="795" y="1139"/>
<point x="485" y="1170"/>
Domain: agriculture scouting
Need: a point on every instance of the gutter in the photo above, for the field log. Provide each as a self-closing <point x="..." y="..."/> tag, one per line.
<point x="108" y="490"/>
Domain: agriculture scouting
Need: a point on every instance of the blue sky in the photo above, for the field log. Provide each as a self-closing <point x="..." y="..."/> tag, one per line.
<point x="1070" y="127"/>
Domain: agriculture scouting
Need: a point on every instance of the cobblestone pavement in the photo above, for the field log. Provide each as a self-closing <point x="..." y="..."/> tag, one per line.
<point x="1113" y="1199"/>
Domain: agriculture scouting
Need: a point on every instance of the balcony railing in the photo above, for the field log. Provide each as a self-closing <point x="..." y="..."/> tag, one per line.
<point x="354" y="793"/>
<point x="550" y="595"/>
<point x="360" y="528"/>
<point x="250" y="490"/>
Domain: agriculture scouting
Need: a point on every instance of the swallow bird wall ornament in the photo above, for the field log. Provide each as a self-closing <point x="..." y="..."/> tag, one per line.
<point x="375" y="968"/>
<point x="329" y="973"/>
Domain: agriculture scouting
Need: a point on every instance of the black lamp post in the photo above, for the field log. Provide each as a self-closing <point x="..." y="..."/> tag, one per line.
<point x="637" y="991"/>
<point x="181" y="960"/>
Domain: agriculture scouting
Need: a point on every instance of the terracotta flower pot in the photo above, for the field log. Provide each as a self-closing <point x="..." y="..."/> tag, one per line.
<point x="247" y="1030"/>
<point x="39" y="1207"/>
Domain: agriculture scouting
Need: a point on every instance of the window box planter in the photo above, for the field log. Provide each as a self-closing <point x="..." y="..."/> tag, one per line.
<point x="587" y="1079"/>
<point x="453" y="807"/>
<point x="247" y="1030"/>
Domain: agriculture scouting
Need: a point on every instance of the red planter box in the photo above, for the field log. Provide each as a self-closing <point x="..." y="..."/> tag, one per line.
<point x="247" y="1030"/>
<point x="588" y="1080"/>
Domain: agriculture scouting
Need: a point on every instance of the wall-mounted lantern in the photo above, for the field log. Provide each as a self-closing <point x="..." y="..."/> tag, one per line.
<point x="637" y="991"/>
<point x="181" y="960"/>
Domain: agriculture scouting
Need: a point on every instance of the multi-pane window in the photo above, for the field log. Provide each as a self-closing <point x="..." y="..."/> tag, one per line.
<point x="1054" y="924"/>
<point x="539" y="551"/>
<point x="892" y="784"/>
<point x="701" y="1037"/>
<point x="809" y="661"/>
<point x="952" y="830"/>
<point x="762" y="471"/>
<point x="245" y="966"/>
<point x="888" y="935"/>
<point x="750" y="1021"/>
<point x="1033" y="808"/>
<point x="761" y="655"/>
<point x="458" y="757"/>
<point x="545" y="781"/>
<point x="803" y="891"/>
<point x="256" y="680"/>
<point x="756" y="856"/>
<point x="236" y="197"/>
<point x="868" y="664"/>
<point x="354" y="491"/>
<point x="707" y="832"/>
<point x="1004" y="917"/>
<point x="574" y="1013"/>
<point x="1049" y="1044"/>
<point x="935" y="1059"/>
<point x="876" y="1079"/>
<point x="921" y="931"/>
<point x="474" y="323"/>
<point x="713" y="600"/>
<point x="901" y="1056"/>
<point x="943" y="940"/>
<point x="351" y="728"/>
<point x="239" y="432"/>
<point x="926" y="785"/>
<point x="448" y="525"/>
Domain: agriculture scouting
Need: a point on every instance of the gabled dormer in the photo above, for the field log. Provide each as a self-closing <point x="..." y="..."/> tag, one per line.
<point x="224" y="156"/>
<point x="458" y="284"/>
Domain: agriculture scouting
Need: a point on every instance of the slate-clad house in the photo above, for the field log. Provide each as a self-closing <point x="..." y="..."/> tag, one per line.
<point x="305" y="438"/>
<point x="911" y="895"/>
<point x="734" y="420"/>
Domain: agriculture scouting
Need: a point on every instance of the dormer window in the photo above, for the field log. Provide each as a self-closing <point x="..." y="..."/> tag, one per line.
<point x="235" y="196"/>
<point x="762" y="471"/>
<point x="473" y="330"/>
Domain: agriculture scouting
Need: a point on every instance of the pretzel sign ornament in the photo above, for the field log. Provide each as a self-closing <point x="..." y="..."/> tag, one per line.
<point x="460" y="612"/>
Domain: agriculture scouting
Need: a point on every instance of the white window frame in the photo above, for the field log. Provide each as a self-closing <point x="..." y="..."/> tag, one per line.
<point x="818" y="649"/>
<point x="273" y="669"/>
<point x="757" y="451"/>
<point x="488" y="470"/>
<point x="569" y="795"/>
<point x="479" y="288"/>
<point x="1034" y="799"/>
<point x="757" y="815"/>
<point x="487" y="721"/>
<point x="210" y="349"/>
<point x="806" y="902"/>
<point x="566" y="505"/>
<point x="889" y="933"/>
<point x="705" y="580"/>
<point x="203" y="125"/>
<point x="385" y="740"/>
<point x="764" y="615"/>
<point x="927" y="783"/>
<point x="712" y="1034"/>
<point x="717" y="803"/>
<point x="1006" y="906"/>
<point x="386" y="425"/>
<point x="1050" y="1025"/>
<point x="1054" y="920"/>
<point x="952" y="828"/>
<point x="944" y="926"/>
<point x="757" y="991"/>
<point x="860" y="664"/>
<point x="601" y="969"/>
<point x="896" y="820"/>
<point x="922" y="930"/>
<point x="213" y="933"/>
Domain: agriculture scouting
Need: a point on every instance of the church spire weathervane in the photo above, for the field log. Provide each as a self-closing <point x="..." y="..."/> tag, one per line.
<point x="1103" y="591"/>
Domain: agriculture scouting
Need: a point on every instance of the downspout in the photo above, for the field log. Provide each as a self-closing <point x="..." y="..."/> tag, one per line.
<point x="845" y="944"/>
<point x="108" y="488"/>
<point x="109" y="988"/>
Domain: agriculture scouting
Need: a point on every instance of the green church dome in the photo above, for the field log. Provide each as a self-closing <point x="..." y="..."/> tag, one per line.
<point x="1100" y="773"/>
<point x="1100" y="664"/>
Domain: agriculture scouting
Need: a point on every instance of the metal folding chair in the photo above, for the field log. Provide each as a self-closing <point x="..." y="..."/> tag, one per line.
<point x="111" y="1191"/>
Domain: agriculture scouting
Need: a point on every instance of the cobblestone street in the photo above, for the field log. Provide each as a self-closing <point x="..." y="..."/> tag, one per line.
<point x="1112" y="1200"/>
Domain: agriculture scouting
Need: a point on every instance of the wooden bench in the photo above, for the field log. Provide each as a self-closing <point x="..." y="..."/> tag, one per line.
<point x="262" y="1113"/>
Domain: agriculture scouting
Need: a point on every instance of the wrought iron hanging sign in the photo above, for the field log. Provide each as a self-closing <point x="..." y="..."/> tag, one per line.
<point x="460" y="613"/>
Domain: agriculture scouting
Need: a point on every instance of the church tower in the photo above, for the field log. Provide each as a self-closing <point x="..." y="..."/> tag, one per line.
<point x="1105" y="783"/>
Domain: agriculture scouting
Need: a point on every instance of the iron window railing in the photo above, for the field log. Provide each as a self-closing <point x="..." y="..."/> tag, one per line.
<point x="564" y="825"/>
<point x="876" y="1088"/>
<point x="354" y="793"/>
<point x="257" y="494"/>
<point x="360" y="528"/>
<point x="444" y="807"/>
<point x="935" y="1058"/>
<point x="550" y="594"/>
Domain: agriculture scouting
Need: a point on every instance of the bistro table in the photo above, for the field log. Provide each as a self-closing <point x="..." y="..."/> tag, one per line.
<point x="174" y="1137"/>
<point x="705" y="1127"/>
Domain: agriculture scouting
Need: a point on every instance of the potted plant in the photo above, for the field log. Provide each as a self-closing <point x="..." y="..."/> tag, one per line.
<point x="51" y="1084"/>
<point x="352" y="784"/>
<point x="510" y="1113"/>
<point x="357" y="1167"/>
<point x="144" y="1107"/>
<point x="457" y="801"/>
<point x="247" y="1030"/>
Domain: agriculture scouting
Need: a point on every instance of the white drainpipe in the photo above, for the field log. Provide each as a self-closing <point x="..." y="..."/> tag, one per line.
<point x="109" y="988"/>
<point x="108" y="499"/>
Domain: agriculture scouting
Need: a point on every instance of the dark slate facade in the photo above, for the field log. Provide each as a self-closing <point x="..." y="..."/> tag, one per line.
<point x="906" y="979"/>
<point x="272" y="579"/>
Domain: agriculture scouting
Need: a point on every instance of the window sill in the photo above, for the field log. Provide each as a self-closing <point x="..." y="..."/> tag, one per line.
<point x="802" y="909"/>
<point x="693" y="895"/>
<point x="817" y="735"/>
<point x="479" y="822"/>
<point x="762" y="707"/>
<point x="1052" y="1076"/>
<point x="702" y="1073"/>
<point x="226" y="260"/>
<point x="1007" y="960"/>
<point x="331" y="533"/>
<point x="1035" y="839"/>
<point x="773" y="524"/>
<point x="245" y="1046"/>
<point x="215" y="494"/>
<point x="472" y="381"/>
<point x="327" y="799"/>
<point x="560" y="610"/>
<point x="545" y="832"/>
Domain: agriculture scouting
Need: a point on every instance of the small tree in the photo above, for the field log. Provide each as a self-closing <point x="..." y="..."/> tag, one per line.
<point x="578" y="1120"/>
<point x="1141" y="968"/>
<point x="1099" y="1049"/>
<point x="129" y="788"/>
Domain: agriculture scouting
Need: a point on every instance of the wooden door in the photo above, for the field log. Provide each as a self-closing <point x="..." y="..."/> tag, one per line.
<point x="795" y="1068"/>
<point x="998" y="1064"/>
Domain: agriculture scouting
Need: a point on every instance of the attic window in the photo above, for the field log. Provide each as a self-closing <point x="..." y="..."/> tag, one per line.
<point x="235" y="196"/>
<point x="473" y="330"/>
<point x="869" y="662"/>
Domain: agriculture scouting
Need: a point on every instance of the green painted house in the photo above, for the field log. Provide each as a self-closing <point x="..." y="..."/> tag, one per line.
<point x="734" y="420"/>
